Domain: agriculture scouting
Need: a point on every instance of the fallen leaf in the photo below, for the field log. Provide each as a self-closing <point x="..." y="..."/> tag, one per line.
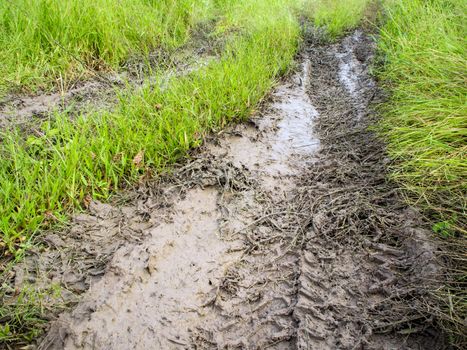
<point x="87" y="200"/>
<point x="49" y="215"/>
<point x="138" y="159"/>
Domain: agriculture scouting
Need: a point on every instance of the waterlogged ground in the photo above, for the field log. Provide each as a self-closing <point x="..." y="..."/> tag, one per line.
<point x="281" y="233"/>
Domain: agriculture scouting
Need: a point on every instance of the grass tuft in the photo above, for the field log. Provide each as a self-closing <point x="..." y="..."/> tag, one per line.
<point x="422" y="48"/>
<point x="336" y="16"/>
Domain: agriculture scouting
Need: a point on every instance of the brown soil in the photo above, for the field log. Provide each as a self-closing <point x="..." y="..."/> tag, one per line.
<point x="281" y="233"/>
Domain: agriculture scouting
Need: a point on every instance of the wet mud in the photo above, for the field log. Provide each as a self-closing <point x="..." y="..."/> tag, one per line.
<point x="280" y="233"/>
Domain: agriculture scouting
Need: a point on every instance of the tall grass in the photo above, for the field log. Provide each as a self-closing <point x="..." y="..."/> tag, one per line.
<point x="422" y="44"/>
<point x="425" y="62"/>
<point x="336" y="16"/>
<point x="43" y="40"/>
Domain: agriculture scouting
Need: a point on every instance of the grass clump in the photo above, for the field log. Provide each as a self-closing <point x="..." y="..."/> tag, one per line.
<point x="423" y="45"/>
<point x="27" y="313"/>
<point x="336" y="16"/>
<point x="45" y="40"/>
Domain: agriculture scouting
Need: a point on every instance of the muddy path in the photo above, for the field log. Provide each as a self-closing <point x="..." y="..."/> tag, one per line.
<point x="281" y="233"/>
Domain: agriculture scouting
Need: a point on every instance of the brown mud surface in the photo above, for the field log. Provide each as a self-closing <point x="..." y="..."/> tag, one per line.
<point x="280" y="233"/>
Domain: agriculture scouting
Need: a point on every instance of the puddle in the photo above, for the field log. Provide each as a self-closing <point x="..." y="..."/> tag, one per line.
<point x="347" y="73"/>
<point x="286" y="132"/>
<point x="295" y="129"/>
<point x="353" y="68"/>
<point x="349" y="66"/>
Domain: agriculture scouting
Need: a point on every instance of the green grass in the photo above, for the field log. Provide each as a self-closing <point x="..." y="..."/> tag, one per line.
<point x="42" y="41"/>
<point x="24" y="315"/>
<point x="425" y="62"/>
<point x="336" y="16"/>
<point x="47" y="174"/>
<point x="424" y="68"/>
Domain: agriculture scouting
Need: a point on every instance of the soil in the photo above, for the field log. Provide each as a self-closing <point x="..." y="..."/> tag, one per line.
<point x="279" y="233"/>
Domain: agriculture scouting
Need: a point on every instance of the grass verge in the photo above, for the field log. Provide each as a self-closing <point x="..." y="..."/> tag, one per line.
<point x="63" y="162"/>
<point x="422" y="48"/>
<point x="423" y="45"/>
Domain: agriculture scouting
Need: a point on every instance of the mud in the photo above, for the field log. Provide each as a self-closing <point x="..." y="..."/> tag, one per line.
<point x="279" y="140"/>
<point x="20" y="110"/>
<point x="161" y="289"/>
<point x="280" y="233"/>
<point x="378" y="262"/>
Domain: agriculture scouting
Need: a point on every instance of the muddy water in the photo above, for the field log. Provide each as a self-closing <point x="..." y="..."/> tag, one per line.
<point x="283" y="134"/>
<point x="353" y="73"/>
<point x="294" y="136"/>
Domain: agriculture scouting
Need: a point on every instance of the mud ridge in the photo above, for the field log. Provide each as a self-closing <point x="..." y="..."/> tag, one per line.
<point x="280" y="233"/>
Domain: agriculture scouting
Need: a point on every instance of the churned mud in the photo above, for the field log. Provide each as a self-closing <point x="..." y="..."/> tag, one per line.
<point x="280" y="233"/>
